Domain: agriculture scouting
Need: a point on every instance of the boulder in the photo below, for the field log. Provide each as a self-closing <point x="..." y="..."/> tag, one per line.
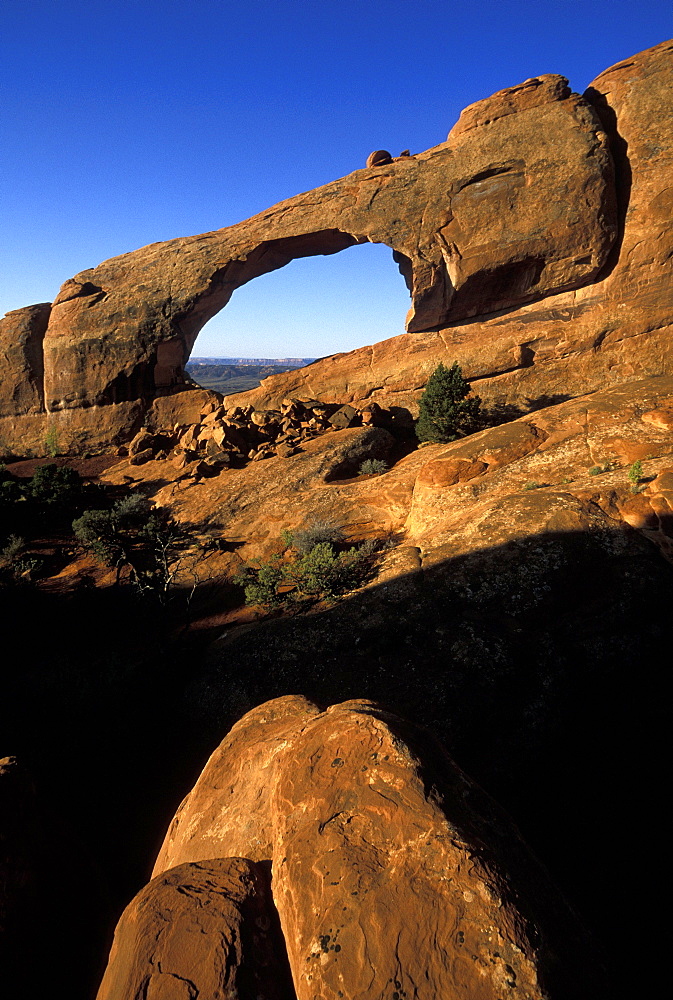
<point x="392" y="872"/>
<point x="200" y="930"/>
<point x="347" y="416"/>
<point x="379" y="158"/>
<point x="141" y="457"/>
<point x="228" y="812"/>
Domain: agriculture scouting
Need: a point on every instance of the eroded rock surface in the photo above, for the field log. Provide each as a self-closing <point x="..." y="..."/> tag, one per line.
<point x="392" y="873"/>
<point x="228" y="812"/>
<point x="200" y="930"/>
<point x="611" y="330"/>
<point x="21" y="338"/>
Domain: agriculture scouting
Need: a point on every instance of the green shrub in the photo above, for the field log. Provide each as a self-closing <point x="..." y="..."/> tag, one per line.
<point x="533" y="486"/>
<point x="598" y="470"/>
<point x="137" y="535"/>
<point x="373" y="466"/>
<point x="445" y="411"/>
<point x="303" y="539"/>
<point x="261" y="583"/>
<point x="15" y="567"/>
<point x="635" y="472"/>
<point x="319" y="573"/>
<point x="10" y="489"/>
<point x="51" y="484"/>
<point x="324" y="573"/>
<point x="51" y="442"/>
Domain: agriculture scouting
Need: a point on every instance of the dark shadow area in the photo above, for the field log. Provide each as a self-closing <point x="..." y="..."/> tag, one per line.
<point x="623" y="173"/>
<point x="538" y="664"/>
<point x="540" y="402"/>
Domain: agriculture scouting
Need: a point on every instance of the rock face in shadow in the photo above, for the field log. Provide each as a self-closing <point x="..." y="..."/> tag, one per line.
<point x="45" y="932"/>
<point x="517" y="223"/>
<point x="21" y="340"/>
<point x="392" y="873"/>
<point x="201" y="930"/>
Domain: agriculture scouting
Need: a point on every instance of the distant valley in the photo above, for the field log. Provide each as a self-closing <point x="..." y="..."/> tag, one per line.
<point x="229" y="375"/>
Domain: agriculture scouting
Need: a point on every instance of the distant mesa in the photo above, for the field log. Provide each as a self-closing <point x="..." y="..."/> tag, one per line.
<point x="535" y="253"/>
<point x="286" y="362"/>
<point x="232" y="375"/>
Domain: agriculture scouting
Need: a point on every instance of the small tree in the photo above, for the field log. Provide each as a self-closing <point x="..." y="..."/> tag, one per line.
<point x="51" y="484"/>
<point x="445" y="411"/>
<point x="137" y="535"/>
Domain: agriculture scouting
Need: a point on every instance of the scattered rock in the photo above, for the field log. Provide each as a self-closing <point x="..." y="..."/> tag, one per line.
<point x="347" y="416"/>
<point x="379" y="158"/>
<point x="140" y="457"/>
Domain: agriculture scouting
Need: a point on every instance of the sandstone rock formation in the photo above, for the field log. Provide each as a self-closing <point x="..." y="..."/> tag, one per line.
<point x="442" y="500"/>
<point x="612" y="329"/>
<point x="392" y="874"/>
<point x="200" y="930"/>
<point x="543" y="220"/>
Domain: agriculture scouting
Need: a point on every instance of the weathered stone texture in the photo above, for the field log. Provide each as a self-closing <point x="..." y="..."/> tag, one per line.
<point x="520" y="210"/>
<point x="21" y="334"/>
<point x="392" y="871"/>
<point x="200" y="930"/>
<point x="228" y="812"/>
<point x="379" y="886"/>
<point x="608" y="331"/>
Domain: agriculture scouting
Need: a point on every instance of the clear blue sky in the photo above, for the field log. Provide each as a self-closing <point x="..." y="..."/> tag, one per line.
<point x="127" y="122"/>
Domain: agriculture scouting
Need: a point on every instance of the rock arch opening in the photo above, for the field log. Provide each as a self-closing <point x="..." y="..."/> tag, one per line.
<point x="320" y="305"/>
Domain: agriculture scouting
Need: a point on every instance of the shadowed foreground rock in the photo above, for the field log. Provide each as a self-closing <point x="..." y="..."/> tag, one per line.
<point x="393" y="874"/>
<point x="203" y="930"/>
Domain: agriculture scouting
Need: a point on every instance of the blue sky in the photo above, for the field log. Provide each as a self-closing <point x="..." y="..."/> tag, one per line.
<point x="124" y="123"/>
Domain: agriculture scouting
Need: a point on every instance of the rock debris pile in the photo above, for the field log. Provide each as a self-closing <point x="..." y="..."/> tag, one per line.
<point x="225" y="439"/>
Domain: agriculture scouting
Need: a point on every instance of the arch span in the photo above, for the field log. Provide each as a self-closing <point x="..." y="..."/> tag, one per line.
<point x="502" y="213"/>
<point x="518" y="204"/>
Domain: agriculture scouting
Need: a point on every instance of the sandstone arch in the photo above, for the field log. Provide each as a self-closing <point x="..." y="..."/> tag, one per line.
<point x="518" y="204"/>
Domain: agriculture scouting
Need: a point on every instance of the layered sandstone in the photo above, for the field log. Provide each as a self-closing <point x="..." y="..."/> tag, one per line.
<point x="543" y="219"/>
<point x="392" y="873"/>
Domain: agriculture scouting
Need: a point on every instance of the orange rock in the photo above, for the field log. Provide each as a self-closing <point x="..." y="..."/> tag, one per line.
<point x="506" y="213"/>
<point x="200" y="930"/>
<point x="392" y="872"/>
<point x="661" y="418"/>
<point x="228" y="813"/>
<point x="637" y="511"/>
<point x="530" y="94"/>
<point x="21" y="335"/>
<point x="448" y="472"/>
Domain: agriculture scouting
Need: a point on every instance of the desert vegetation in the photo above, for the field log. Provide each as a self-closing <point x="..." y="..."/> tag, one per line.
<point x="316" y="564"/>
<point x="447" y="409"/>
